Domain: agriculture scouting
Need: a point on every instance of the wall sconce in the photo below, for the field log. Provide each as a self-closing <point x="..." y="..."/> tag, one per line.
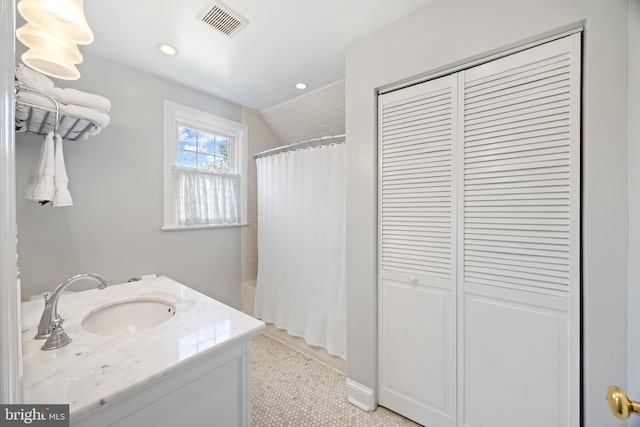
<point x="53" y="29"/>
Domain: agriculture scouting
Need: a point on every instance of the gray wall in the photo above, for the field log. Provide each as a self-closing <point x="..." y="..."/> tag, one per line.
<point x="449" y="32"/>
<point x="115" y="179"/>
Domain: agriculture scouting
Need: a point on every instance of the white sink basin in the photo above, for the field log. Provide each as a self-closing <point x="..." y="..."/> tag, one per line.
<point x="128" y="316"/>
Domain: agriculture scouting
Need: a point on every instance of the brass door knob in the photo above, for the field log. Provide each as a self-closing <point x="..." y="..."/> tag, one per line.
<point x="620" y="404"/>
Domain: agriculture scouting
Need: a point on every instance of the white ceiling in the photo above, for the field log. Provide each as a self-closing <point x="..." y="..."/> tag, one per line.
<point x="319" y="112"/>
<point x="286" y="41"/>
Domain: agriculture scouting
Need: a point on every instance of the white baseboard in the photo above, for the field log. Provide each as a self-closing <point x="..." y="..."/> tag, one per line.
<point x="361" y="396"/>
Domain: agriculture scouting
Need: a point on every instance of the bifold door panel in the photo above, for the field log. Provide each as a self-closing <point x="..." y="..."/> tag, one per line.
<point x="417" y="251"/>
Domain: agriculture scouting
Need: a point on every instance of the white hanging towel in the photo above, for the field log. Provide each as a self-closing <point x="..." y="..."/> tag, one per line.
<point x="62" y="196"/>
<point x="41" y="182"/>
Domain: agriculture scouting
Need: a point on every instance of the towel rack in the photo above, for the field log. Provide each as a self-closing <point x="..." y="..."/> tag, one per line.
<point x="51" y="118"/>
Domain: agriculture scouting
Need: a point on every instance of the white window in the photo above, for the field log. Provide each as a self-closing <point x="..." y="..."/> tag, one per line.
<point x="204" y="169"/>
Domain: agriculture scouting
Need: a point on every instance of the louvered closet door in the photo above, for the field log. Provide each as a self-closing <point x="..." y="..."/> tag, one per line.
<point x="520" y="223"/>
<point x="417" y="247"/>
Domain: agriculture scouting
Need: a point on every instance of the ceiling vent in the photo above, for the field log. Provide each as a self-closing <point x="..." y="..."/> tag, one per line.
<point x="220" y="17"/>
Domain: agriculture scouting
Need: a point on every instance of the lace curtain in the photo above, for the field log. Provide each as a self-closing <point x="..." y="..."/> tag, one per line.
<point x="204" y="197"/>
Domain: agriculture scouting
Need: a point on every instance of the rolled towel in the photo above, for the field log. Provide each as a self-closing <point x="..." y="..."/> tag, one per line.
<point x="62" y="196"/>
<point x="35" y="80"/>
<point x="34" y="98"/>
<point x="82" y="99"/>
<point x="22" y="114"/>
<point x="41" y="182"/>
<point x="100" y="120"/>
<point x="36" y="118"/>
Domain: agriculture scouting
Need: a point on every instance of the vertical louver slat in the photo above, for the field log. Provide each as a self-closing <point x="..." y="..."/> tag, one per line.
<point x="516" y="188"/>
<point x="416" y="135"/>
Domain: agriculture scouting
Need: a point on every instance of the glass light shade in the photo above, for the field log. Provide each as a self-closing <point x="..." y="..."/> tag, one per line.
<point x="42" y="41"/>
<point x="50" y="65"/>
<point x="61" y="18"/>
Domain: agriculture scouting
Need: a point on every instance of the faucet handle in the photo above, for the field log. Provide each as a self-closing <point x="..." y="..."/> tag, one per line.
<point x="47" y="297"/>
<point x="58" y="337"/>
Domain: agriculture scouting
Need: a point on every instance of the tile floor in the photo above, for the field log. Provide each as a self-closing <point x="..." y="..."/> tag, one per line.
<point x="291" y="389"/>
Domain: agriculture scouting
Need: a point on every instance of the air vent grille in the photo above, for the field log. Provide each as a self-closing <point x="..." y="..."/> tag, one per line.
<point x="222" y="18"/>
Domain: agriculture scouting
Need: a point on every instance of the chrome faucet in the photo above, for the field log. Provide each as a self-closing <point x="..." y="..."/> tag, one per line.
<point x="50" y="326"/>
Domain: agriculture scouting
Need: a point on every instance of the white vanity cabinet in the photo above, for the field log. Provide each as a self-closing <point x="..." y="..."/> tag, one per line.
<point x="212" y="391"/>
<point x="192" y="370"/>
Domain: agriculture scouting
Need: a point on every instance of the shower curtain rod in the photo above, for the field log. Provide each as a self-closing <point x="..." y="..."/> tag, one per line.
<point x="320" y="140"/>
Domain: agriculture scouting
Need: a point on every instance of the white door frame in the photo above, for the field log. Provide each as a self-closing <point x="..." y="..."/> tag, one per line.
<point x="10" y="338"/>
<point x="633" y="387"/>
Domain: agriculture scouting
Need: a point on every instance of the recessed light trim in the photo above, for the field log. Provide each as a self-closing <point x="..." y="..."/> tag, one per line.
<point x="301" y="85"/>
<point x="167" y="49"/>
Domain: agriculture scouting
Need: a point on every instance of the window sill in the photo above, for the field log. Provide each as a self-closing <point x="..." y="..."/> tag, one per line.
<point x="199" y="227"/>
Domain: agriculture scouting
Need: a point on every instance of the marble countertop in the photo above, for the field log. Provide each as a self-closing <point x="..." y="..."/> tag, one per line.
<point x="95" y="369"/>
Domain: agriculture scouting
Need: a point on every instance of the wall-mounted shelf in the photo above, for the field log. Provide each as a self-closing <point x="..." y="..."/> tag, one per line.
<point x="40" y="119"/>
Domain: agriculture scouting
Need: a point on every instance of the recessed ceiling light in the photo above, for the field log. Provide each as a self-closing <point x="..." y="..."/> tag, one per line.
<point x="167" y="49"/>
<point x="301" y="86"/>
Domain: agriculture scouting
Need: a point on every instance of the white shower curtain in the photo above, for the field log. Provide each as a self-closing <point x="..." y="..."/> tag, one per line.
<point x="301" y="245"/>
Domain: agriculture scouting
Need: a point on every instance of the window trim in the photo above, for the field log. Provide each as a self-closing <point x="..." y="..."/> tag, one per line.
<point x="176" y="115"/>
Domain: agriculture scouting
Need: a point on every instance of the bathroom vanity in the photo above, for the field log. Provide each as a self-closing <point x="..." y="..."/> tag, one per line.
<point x="159" y="353"/>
